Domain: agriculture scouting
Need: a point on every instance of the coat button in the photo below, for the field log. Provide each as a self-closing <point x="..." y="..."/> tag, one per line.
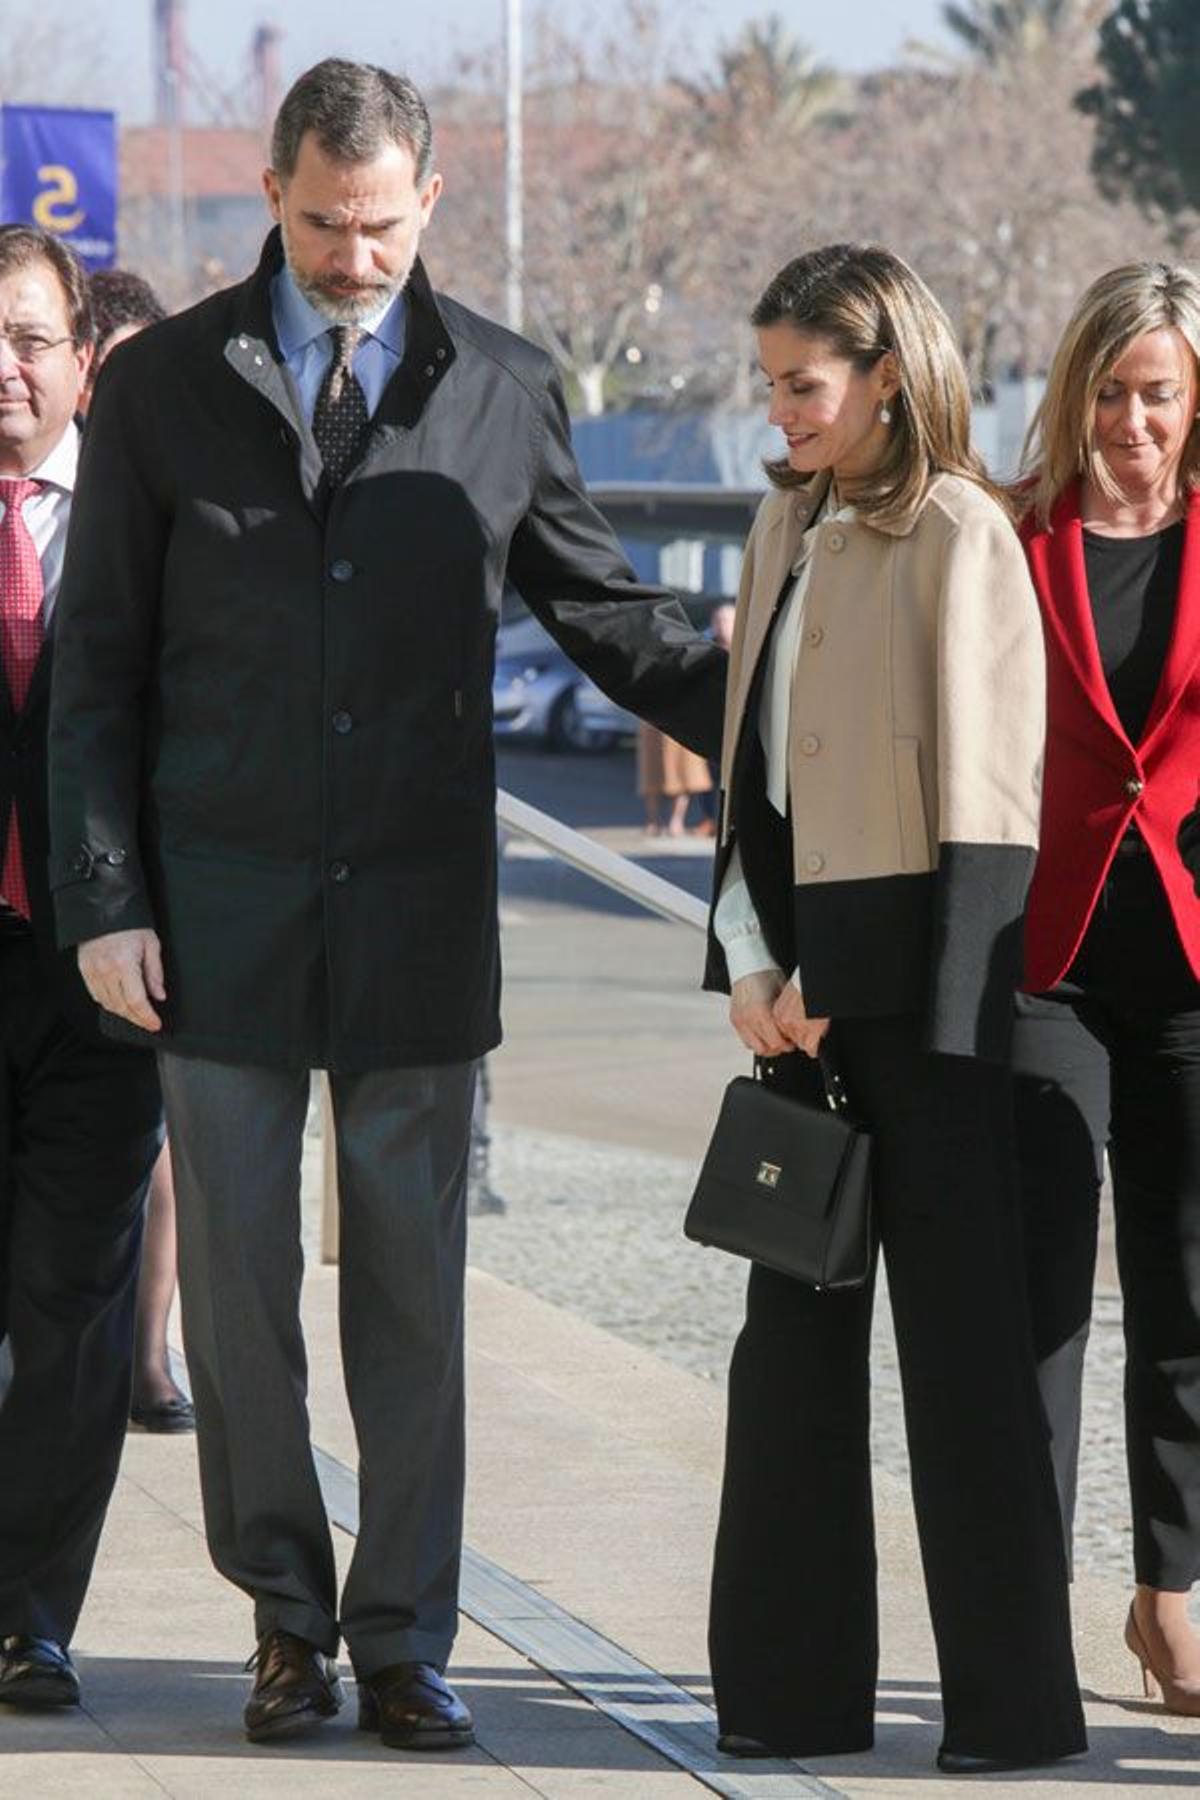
<point x="1134" y="786"/>
<point x="814" y="862"/>
<point x="836" y="541"/>
<point x="810" y="744"/>
<point x="342" y="569"/>
<point x="342" y="723"/>
<point x="814" y="635"/>
<point x="116" y="859"/>
<point x="339" y="872"/>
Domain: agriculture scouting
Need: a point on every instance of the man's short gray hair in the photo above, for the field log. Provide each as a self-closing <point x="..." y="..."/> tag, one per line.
<point x="356" y="110"/>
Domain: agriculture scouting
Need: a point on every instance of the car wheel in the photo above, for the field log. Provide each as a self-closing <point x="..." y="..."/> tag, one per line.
<point x="568" y="731"/>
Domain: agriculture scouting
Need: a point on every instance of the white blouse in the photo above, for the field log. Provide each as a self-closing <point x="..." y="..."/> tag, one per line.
<point x="734" y="920"/>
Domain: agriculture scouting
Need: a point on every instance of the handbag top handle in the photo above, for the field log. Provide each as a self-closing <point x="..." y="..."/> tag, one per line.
<point x="835" y="1088"/>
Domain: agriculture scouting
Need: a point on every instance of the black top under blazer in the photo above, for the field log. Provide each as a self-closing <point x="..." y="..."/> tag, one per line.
<point x="272" y="721"/>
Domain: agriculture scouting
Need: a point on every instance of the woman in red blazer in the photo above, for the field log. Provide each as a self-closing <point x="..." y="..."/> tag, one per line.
<point x="1107" y="1042"/>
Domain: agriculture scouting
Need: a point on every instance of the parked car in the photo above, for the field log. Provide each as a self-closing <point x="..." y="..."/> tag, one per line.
<point x="534" y="693"/>
<point x="689" y="537"/>
<point x="604" y="721"/>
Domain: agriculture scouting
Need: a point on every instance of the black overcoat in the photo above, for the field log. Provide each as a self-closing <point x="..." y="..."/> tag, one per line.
<point x="271" y="732"/>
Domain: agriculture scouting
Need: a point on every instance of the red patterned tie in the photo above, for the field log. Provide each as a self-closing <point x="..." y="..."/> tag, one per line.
<point x="21" y="628"/>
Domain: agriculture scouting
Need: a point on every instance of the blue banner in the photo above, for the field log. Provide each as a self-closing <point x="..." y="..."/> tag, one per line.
<point x="60" y="172"/>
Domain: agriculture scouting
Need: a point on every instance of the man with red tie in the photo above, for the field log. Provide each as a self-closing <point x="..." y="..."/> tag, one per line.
<point x="79" y="1116"/>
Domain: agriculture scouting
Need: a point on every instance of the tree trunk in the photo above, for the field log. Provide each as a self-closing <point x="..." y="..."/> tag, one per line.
<point x="591" y="387"/>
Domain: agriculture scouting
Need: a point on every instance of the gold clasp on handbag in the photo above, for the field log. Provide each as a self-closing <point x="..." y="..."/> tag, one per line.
<point x="768" y="1174"/>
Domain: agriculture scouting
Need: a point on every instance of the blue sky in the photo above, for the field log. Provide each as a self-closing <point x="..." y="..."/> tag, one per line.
<point x="855" y="34"/>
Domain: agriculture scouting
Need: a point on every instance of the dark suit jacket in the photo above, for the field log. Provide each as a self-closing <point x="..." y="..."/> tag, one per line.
<point x="1098" y="784"/>
<point x="272" y="728"/>
<point x="23" y="785"/>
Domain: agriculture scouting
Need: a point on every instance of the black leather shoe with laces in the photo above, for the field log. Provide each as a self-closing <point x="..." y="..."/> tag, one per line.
<point x="36" y="1672"/>
<point x="296" y="1687"/>
<point x="413" y="1707"/>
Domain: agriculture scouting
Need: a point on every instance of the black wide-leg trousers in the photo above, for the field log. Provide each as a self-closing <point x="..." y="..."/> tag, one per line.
<point x="80" y="1128"/>
<point x="793" y="1629"/>
<point x="1112" y="1059"/>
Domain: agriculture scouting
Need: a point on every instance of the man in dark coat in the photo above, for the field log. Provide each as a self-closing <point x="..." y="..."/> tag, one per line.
<point x="79" y="1116"/>
<point x="274" y="838"/>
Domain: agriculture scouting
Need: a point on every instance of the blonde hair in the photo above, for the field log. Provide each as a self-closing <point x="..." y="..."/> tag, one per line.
<point x="1122" y="305"/>
<point x="863" y="302"/>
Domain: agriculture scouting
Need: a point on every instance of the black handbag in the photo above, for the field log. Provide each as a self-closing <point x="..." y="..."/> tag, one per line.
<point x="788" y="1183"/>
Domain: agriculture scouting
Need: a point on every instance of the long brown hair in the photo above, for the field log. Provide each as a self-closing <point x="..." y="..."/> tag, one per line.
<point x="1122" y="305"/>
<point x="863" y="302"/>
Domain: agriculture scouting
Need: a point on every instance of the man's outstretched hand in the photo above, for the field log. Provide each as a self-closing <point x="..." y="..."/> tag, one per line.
<point x="123" y="972"/>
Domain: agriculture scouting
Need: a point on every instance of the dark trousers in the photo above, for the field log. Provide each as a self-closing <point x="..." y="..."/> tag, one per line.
<point x="402" y="1144"/>
<point x="79" y="1132"/>
<point x="793" y="1631"/>
<point x="1112" y="1058"/>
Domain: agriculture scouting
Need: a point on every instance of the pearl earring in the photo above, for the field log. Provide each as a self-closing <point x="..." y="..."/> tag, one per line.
<point x="885" y="414"/>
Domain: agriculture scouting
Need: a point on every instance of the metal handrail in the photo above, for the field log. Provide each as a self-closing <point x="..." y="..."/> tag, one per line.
<point x="617" y="872"/>
<point x="605" y="866"/>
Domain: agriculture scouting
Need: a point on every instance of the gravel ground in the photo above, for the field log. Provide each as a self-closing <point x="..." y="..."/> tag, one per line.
<point x="597" y="1229"/>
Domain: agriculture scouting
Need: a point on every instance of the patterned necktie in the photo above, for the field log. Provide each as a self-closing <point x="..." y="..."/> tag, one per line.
<point x="21" y="628"/>
<point x="340" y="415"/>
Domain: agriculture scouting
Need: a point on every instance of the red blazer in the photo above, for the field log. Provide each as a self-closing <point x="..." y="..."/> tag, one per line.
<point x="1097" y="782"/>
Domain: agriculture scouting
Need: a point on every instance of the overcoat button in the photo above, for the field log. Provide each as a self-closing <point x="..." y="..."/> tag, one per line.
<point x="837" y="541"/>
<point x="342" y="569"/>
<point x="116" y="859"/>
<point x="430" y="370"/>
<point x="339" y="872"/>
<point x="814" y="862"/>
<point x="810" y="744"/>
<point x="814" y="635"/>
<point x="243" y="343"/>
<point x="441" y="355"/>
<point x="1134" y="786"/>
<point x="342" y="723"/>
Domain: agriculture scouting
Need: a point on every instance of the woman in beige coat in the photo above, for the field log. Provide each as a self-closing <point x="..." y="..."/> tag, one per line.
<point x="881" y="774"/>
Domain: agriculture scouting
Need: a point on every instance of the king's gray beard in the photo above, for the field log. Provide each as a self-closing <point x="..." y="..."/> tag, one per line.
<point x="346" y="309"/>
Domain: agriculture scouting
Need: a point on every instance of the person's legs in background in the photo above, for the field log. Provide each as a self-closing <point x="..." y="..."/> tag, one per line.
<point x="83" y="1127"/>
<point x="1156" y="1196"/>
<point x="1061" y="1099"/>
<point x="157" y="1404"/>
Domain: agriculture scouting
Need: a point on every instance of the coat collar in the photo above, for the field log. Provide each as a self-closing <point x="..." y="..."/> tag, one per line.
<point x="1056" y="558"/>
<point x="252" y="351"/>
<point x="804" y="503"/>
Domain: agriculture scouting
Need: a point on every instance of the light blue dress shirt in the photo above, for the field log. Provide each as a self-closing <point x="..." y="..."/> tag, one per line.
<point x="307" y="347"/>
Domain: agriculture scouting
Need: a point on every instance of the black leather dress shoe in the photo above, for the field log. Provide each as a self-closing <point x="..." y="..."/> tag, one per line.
<point x="954" y="1762"/>
<point x="296" y="1686"/>
<point x="413" y="1707"/>
<point x="36" y="1672"/>
<point x="164" y="1416"/>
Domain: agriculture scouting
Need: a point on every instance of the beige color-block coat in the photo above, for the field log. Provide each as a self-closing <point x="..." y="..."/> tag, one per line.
<point x="914" y="756"/>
